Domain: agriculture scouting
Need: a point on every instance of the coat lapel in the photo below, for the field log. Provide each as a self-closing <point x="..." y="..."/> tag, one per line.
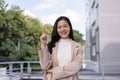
<point x="72" y="50"/>
<point x="55" y="49"/>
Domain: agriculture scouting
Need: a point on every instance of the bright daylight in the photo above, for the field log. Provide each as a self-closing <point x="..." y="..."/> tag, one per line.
<point x="59" y="40"/>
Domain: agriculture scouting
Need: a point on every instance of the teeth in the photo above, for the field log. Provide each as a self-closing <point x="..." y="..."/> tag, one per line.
<point x="63" y="33"/>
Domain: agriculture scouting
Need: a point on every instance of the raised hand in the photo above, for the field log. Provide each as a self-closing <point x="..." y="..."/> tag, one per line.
<point x="43" y="40"/>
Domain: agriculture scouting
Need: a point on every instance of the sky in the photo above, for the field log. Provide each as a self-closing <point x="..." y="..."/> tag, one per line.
<point x="47" y="11"/>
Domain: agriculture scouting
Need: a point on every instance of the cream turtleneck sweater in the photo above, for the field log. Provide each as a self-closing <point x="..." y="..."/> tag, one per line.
<point x="64" y="52"/>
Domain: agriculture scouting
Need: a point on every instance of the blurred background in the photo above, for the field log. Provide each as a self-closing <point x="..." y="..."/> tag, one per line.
<point x="96" y="25"/>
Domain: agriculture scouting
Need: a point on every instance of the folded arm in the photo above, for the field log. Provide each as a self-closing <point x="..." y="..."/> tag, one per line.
<point x="45" y="58"/>
<point x="71" y="68"/>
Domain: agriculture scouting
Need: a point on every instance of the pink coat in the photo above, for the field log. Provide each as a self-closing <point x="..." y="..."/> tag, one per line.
<point x="67" y="72"/>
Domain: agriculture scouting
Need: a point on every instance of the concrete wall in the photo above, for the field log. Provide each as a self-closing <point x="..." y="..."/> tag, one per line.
<point x="105" y="45"/>
<point x="109" y="23"/>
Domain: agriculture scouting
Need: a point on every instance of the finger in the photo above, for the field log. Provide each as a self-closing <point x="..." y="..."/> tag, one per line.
<point x="49" y="70"/>
<point x="43" y="30"/>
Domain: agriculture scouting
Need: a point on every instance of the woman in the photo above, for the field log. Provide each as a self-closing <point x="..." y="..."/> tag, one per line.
<point x="62" y="58"/>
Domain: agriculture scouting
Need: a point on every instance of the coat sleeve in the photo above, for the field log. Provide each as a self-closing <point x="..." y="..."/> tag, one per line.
<point x="45" y="59"/>
<point x="71" y="68"/>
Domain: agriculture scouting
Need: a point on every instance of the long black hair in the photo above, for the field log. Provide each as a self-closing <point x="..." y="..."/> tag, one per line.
<point x="55" y="36"/>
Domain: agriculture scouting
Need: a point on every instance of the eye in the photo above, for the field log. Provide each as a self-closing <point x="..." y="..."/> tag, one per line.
<point x="65" y="26"/>
<point x="59" y="27"/>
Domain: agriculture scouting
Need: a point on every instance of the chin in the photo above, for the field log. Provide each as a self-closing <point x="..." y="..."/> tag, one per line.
<point x="64" y="37"/>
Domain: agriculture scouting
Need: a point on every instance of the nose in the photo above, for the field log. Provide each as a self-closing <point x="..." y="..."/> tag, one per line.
<point x="62" y="28"/>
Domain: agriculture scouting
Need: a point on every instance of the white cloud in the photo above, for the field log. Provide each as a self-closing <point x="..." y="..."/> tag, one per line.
<point x="49" y="18"/>
<point x="28" y="13"/>
<point x="48" y="1"/>
<point x="58" y="6"/>
<point x="78" y="21"/>
<point x="44" y="6"/>
<point x="74" y="17"/>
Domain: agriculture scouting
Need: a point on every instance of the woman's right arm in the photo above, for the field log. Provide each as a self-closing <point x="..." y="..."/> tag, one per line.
<point x="45" y="57"/>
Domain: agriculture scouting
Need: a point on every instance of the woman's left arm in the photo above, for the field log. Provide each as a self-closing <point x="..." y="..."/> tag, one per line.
<point x="71" y="68"/>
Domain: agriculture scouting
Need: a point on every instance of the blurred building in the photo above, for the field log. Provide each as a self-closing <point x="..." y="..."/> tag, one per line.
<point x="103" y="33"/>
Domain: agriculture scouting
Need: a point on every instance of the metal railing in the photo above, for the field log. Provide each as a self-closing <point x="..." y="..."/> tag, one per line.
<point x="28" y="69"/>
<point x="18" y="68"/>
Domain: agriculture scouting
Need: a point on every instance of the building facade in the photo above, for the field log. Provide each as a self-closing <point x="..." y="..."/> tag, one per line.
<point x="102" y="34"/>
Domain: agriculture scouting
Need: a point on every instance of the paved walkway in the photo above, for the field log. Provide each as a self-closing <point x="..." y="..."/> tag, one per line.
<point x="82" y="76"/>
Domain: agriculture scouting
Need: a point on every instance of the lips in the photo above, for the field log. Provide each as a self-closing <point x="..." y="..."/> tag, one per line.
<point x="63" y="32"/>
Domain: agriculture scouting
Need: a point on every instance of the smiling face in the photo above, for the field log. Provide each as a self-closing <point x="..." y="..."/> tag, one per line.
<point x="63" y="29"/>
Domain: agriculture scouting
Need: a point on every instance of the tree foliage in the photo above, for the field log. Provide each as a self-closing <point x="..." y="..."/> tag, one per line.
<point x="19" y="34"/>
<point x="78" y="37"/>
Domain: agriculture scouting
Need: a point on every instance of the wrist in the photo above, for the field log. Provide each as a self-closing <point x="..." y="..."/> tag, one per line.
<point x="43" y="45"/>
